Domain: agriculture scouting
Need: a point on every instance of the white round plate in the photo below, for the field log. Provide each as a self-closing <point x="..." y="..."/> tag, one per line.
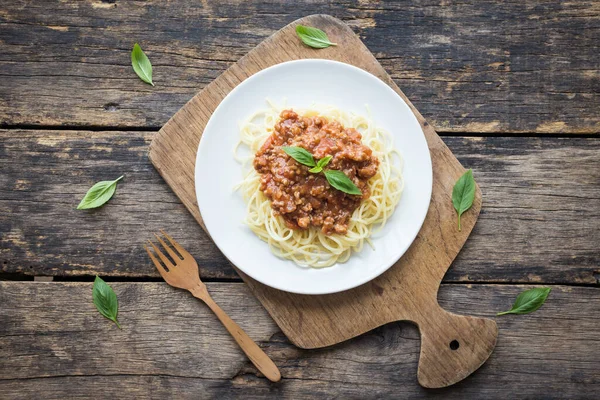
<point x="302" y="83"/>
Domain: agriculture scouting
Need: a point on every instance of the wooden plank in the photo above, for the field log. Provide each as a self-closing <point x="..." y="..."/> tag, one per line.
<point x="483" y="66"/>
<point x="43" y="278"/>
<point x="53" y="341"/>
<point x="541" y="205"/>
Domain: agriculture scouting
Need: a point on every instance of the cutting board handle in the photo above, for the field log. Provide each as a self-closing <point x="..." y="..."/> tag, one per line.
<point x="452" y="346"/>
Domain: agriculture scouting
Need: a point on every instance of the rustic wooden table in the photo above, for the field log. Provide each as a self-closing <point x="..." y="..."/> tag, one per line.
<point x="512" y="87"/>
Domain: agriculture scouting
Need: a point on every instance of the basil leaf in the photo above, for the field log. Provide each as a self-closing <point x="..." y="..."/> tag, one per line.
<point x="313" y="37"/>
<point x="528" y="301"/>
<point x="301" y="155"/>
<point x="105" y="300"/>
<point x="141" y="65"/>
<point x="320" y="165"/>
<point x="340" y="181"/>
<point x="99" y="194"/>
<point x="463" y="194"/>
<point x="324" y="161"/>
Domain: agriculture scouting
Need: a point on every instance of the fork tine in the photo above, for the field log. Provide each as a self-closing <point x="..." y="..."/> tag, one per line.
<point x="173" y="255"/>
<point x="164" y="258"/>
<point x="157" y="264"/>
<point x="180" y="249"/>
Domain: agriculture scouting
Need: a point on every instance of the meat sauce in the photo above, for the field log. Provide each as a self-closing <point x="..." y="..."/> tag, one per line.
<point x="305" y="199"/>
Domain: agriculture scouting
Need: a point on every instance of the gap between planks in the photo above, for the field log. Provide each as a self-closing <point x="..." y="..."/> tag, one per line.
<point x="150" y="129"/>
<point x="118" y="279"/>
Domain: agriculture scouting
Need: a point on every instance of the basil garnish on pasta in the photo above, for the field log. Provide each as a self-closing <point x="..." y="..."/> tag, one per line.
<point x="337" y="179"/>
<point x="320" y="165"/>
<point x="301" y="155"/>
<point x="341" y="182"/>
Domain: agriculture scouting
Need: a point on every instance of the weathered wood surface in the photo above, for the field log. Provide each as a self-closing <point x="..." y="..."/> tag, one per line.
<point x="477" y="67"/>
<point x="53" y="341"/>
<point x="539" y="223"/>
<point x="486" y="66"/>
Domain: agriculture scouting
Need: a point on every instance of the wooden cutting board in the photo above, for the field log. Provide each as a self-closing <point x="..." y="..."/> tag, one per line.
<point x="452" y="346"/>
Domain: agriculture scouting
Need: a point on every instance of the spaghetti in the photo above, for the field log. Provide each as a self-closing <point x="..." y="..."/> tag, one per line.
<point x="312" y="247"/>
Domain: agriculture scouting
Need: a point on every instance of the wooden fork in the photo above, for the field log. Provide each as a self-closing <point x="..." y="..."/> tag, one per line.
<point x="184" y="275"/>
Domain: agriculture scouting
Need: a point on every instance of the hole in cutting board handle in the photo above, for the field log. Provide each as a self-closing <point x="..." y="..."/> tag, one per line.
<point x="450" y="355"/>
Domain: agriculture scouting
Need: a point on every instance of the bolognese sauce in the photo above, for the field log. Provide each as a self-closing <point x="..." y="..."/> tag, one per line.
<point x="306" y="199"/>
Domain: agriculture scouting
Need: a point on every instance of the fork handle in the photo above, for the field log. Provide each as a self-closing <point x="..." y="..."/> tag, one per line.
<point x="258" y="357"/>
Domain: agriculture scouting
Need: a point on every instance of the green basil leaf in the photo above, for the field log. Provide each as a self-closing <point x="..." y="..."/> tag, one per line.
<point x="320" y="165"/>
<point x="141" y="65"/>
<point x="341" y="182"/>
<point x="463" y="194"/>
<point x="99" y="194"/>
<point x="324" y="161"/>
<point x="313" y="37"/>
<point x="301" y="155"/>
<point x="105" y="300"/>
<point x="528" y="301"/>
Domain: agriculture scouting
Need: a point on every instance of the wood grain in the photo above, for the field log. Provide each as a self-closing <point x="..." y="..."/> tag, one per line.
<point x="476" y="67"/>
<point x="53" y="341"/>
<point x="541" y="198"/>
<point x="407" y="290"/>
<point x="485" y="66"/>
